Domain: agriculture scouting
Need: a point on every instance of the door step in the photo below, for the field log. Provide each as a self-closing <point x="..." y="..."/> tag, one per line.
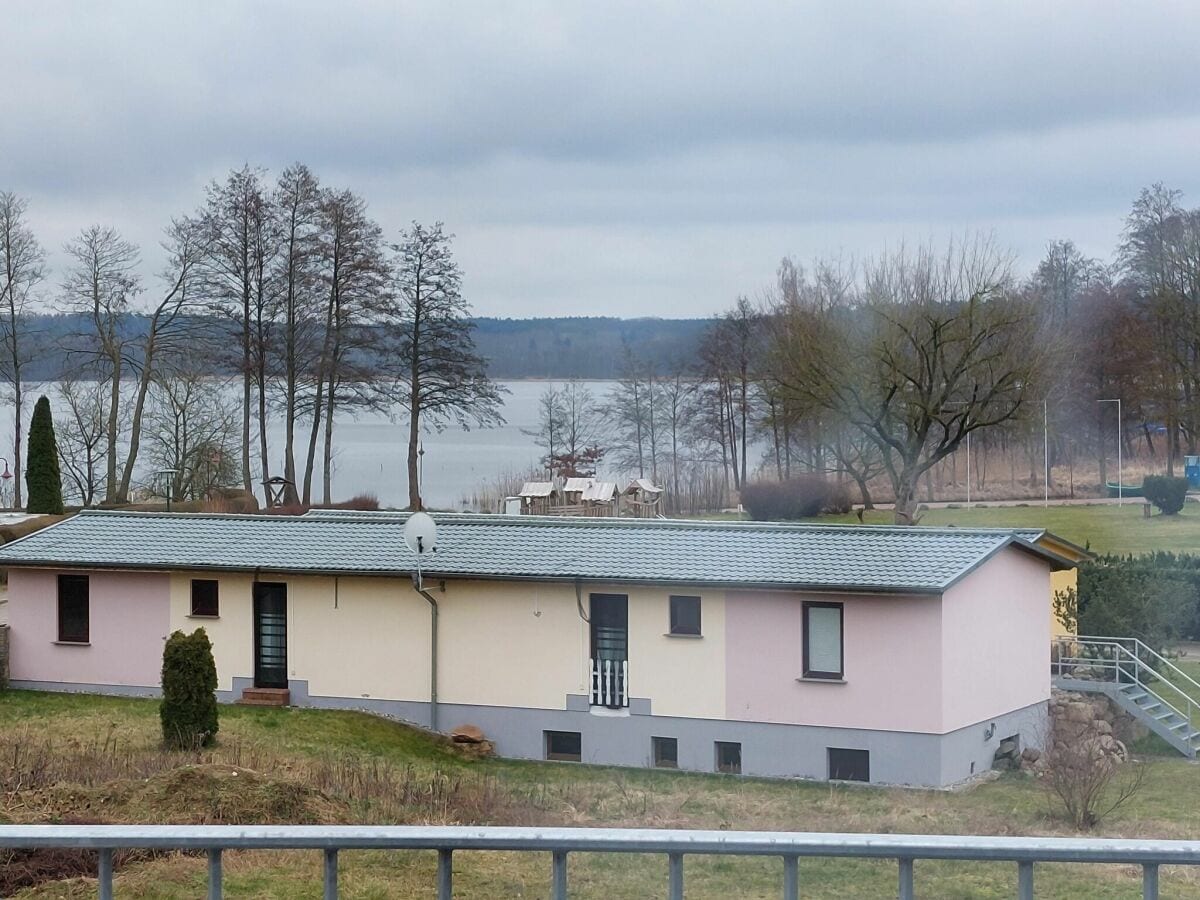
<point x="265" y="697"/>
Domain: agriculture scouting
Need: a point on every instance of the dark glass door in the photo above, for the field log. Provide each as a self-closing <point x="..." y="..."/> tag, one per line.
<point x="270" y="635"/>
<point x="610" y="649"/>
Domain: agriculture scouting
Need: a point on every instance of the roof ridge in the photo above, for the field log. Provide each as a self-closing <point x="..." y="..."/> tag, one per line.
<point x="472" y="518"/>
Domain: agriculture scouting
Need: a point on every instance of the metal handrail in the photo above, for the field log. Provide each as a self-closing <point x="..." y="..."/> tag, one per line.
<point x="1116" y="665"/>
<point x="1142" y="645"/>
<point x="559" y="842"/>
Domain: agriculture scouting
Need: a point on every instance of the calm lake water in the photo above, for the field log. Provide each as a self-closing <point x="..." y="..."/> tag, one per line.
<point x="370" y="450"/>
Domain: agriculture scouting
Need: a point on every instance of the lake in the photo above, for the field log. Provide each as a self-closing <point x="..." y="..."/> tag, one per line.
<point x="370" y="450"/>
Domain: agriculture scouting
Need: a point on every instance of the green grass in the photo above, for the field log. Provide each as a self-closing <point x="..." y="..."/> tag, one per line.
<point x="1104" y="528"/>
<point x="293" y="745"/>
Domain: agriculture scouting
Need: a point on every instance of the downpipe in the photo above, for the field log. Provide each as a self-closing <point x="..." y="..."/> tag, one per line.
<point x="433" y="651"/>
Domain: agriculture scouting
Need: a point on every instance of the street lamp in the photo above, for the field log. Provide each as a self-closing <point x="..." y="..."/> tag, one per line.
<point x="169" y="476"/>
<point x="1120" y="441"/>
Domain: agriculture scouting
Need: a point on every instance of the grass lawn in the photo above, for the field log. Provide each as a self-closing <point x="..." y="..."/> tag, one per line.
<point x="96" y="758"/>
<point x="1105" y="528"/>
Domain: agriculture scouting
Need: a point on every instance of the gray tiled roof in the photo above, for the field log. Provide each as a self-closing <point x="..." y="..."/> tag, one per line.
<point x="621" y="550"/>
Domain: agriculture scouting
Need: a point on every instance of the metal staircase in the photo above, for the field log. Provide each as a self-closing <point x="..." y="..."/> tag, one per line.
<point x="1138" y="679"/>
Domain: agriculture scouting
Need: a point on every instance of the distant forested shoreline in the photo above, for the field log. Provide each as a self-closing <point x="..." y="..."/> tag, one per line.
<point x="583" y="347"/>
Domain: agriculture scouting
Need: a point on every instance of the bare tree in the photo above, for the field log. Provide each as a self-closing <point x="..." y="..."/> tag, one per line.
<point x="934" y="348"/>
<point x="353" y="274"/>
<point x="99" y="287"/>
<point x="82" y="432"/>
<point x="192" y="429"/>
<point x="437" y="374"/>
<point x="238" y="218"/>
<point x="581" y="431"/>
<point x="168" y="325"/>
<point x="550" y="425"/>
<point x="22" y="268"/>
<point x="297" y="201"/>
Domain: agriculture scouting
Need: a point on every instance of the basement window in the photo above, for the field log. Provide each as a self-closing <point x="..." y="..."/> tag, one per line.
<point x="685" y="615"/>
<point x="204" y="597"/>
<point x="849" y="765"/>
<point x="729" y="757"/>
<point x="565" y="746"/>
<point x="74" y="615"/>
<point x="666" y="752"/>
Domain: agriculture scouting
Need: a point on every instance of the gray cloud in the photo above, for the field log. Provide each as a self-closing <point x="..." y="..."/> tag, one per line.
<point x="614" y="157"/>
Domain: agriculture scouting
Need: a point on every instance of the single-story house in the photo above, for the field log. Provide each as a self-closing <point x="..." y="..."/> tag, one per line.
<point x="885" y="654"/>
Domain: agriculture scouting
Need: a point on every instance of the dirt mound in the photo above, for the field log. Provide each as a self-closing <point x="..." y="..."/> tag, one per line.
<point x="203" y="795"/>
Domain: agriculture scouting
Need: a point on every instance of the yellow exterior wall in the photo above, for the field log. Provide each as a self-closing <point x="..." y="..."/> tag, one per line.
<point x="232" y="633"/>
<point x="500" y="643"/>
<point x="1060" y="581"/>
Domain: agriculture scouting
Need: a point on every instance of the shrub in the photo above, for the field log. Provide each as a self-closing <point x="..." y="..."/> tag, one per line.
<point x="1087" y="771"/>
<point x="189" y="683"/>
<point x="1128" y="597"/>
<point x="42" y="477"/>
<point x="1168" y="494"/>
<point x="801" y="497"/>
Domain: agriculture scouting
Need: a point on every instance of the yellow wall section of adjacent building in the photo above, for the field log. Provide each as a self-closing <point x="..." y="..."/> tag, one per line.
<point x="520" y="644"/>
<point x="1060" y="581"/>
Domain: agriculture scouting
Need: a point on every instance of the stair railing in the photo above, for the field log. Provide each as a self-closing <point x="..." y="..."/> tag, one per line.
<point x="1122" y="658"/>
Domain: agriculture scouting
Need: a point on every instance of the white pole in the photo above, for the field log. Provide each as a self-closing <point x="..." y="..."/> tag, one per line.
<point x="1046" y="452"/>
<point x="1120" y="459"/>
<point x="968" y="470"/>
<point x="1120" y="463"/>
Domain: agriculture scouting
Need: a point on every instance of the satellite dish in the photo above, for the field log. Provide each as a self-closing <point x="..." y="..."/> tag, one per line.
<point x="420" y="533"/>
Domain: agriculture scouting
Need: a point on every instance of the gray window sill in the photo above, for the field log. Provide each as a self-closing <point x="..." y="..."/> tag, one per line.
<point x="202" y="616"/>
<point x="72" y="643"/>
<point x="809" y="679"/>
<point x="686" y="637"/>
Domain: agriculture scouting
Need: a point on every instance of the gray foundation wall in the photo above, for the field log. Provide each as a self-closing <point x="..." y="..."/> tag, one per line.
<point x="768" y="750"/>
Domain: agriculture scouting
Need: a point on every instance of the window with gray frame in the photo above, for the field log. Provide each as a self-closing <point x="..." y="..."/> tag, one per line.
<point x="823" y="646"/>
<point x="685" y="615"/>
<point x="74" y="609"/>
<point x="205" y="597"/>
<point x="849" y="765"/>
<point x="665" y="751"/>
<point x="565" y="746"/>
<point x="729" y="757"/>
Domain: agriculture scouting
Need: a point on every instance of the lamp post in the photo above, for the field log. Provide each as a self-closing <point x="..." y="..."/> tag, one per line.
<point x="6" y="475"/>
<point x="169" y="475"/>
<point x="1120" y="441"/>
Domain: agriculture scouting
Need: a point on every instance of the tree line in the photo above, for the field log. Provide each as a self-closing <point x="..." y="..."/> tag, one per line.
<point x="876" y="371"/>
<point x="319" y="313"/>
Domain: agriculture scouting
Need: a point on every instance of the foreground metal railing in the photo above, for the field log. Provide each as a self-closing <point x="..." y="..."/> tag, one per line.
<point x="610" y="683"/>
<point x="559" y="842"/>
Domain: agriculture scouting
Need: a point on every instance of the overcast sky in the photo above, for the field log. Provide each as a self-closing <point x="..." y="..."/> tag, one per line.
<point x="609" y="157"/>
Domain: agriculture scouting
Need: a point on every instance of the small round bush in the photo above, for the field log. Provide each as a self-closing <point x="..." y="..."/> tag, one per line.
<point x="801" y="497"/>
<point x="1168" y="494"/>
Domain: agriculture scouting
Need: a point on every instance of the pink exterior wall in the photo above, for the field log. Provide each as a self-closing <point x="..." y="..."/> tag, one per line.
<point x="996" y="657"/>
<point x="130" y="617"/>
<point x="892" y="661"/>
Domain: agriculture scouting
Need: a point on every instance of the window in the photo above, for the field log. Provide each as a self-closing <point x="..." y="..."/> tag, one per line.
<point x="729" y="757"/>
<point x="685" y="615"/>
<point x="73" y="615"/>
<point x="564" y="745"/>
<point x="823" y="640"/>
<point x="666" y="752"/>
<point x="849" y="765"/>
<point x="204" y="597"/>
